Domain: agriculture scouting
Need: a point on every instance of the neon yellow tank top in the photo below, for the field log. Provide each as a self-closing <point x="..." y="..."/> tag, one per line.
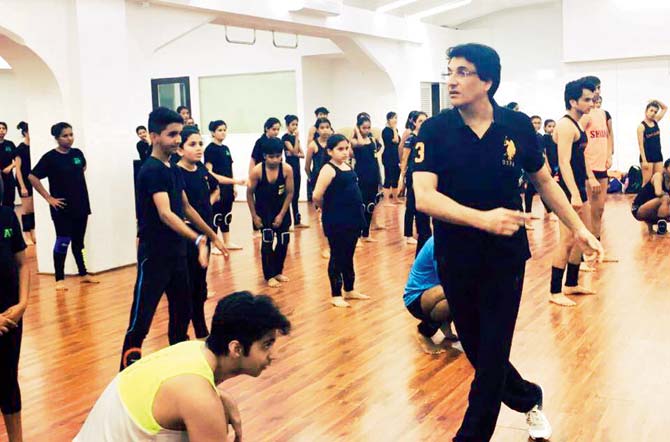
<point x="139" y="383"/>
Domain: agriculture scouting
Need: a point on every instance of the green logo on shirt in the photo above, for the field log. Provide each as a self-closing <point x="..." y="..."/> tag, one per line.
<point x="76" y="161"/>
<point x="8" y="233"/>
<point x="8" y="148"/>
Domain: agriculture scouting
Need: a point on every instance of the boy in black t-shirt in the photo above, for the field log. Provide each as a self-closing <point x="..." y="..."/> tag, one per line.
<point x="8" y="163"/>
<point x="202" y="191"/>
<point x="14" y="285"/>
<point x="64" y="167"/>
<point x="161" y="255"/>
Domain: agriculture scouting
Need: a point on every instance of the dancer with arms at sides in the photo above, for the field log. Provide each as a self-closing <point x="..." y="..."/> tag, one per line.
<point x="14" y="288"/>
<point x="25" y="188"/>
<point x="143" y="147"/>
<point x="162" y="266"/>
<point x="202" y="190"/>
<point x="64" y="167"/>
<point x="649" y="140"/>
<point x="573" y="179"/>
<point x="219" y="162"/>
<point x="315" y="158"/>
<point x="409" y="127"/>
<point x="293" y="152"/>
<point x="269" y="197"/>
<point x="390" y="158"/>
<point x="652" y="203"/>
<point x="364" y="146"/>
<point x="467" y="167"/>
<point x="175" y="394"/>
<point x="551" y="153"/>
<point x="407" y="167"/>
<point x="338" y="195"/>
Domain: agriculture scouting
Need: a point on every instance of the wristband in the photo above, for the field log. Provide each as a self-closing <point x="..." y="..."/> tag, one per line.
<point x="198" y="239"/>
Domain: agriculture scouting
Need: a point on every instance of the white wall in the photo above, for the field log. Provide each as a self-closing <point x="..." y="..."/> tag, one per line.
<point x="534" y="74"/>
<point x="615" y="29"/>
<point x="14" y="107"/>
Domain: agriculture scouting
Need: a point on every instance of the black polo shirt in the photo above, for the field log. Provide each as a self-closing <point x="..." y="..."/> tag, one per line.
<point x="481" y="174"/>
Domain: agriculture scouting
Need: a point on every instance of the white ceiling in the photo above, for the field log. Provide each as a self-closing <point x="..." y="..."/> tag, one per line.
<point x="453" y="18"/>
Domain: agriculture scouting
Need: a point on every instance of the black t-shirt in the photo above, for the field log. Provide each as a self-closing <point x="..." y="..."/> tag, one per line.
<point x="11" y="243"/>
<point x="390" y="153"/>
<point x="221" y="160"/>
<point x="198" y="185"/>
<point x="7" y="155"/>
<point x="159" y="239"/>
<point x="481" y="174"/>
<point x="23" y="152"/>
<point x="287" y="137"/>
<point x="551" y="151"/>
<point x="257" y="152"/>
<point x="65" y="172"/>
<point x="410" y="143"/>
<point x="367" y="168"/>
<point x="143" y="150"/>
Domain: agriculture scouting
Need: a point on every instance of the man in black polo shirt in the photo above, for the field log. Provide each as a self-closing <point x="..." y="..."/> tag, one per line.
<point x="467" y="164"/>
<point x="161" y="255"/>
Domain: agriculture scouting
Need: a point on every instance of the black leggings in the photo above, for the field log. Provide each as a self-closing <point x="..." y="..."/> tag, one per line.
<point x="157" y="275"/>
<point x="9" y="184"/>
<point x="223" y="209"/>
<point x="341" y="265"/>
<point x="273" y="257"/>
<point x="391" y="173"/>
<point x="294" y="162"/>
<point x="197" y="277"/>
<point x="69" y="229"/>
<point x="369" y="193"/>
<point x="10" y="393"/>
<point x="422" y="220"/>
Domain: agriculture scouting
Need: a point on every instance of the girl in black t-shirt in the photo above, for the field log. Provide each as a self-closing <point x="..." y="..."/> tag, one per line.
<point x="293" y="152"/>
<point x="202" y="191"/>
<point x="64" y="167"/>
<point x="219" y="162"/>
<point x="25" y="188"/>
<point x="339" y="197"/>
<point x="14" y="286"/>
<point x="315" y="159"/>
<point x="365" y="149"/>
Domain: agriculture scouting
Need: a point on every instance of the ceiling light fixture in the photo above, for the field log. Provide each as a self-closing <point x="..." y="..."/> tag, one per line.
<point x="440" y="9"/>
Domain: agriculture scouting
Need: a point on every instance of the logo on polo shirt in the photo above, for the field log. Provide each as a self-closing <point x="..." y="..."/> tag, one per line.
<point x="510" y="153"/>
<point x="8" y="233"/>
<point x="8" y="148"/>
<point x="76" y="161"/>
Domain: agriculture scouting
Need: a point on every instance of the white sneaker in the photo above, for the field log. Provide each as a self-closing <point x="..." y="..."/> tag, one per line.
<point x="538" y="424"/>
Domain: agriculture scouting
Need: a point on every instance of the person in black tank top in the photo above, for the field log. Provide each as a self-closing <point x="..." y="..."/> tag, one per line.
<point x="316" y="151"/>
<point x="269" y="195"/>
<point x="202" y="190"/>
<point x="411" y="214"/>
<point x="649" y="140"/>
<point x="219" y="162"/>
<point x="367" y="169"/>
<point x="652" y="203"/>
<point x="571" y="140"/>
<point x="8" y="164"/>
<point x="339" y="197"/>
<point x="293" y="152"/>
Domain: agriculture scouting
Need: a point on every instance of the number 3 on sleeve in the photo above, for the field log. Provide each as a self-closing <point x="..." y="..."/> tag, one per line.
<point x="419" y="153"/>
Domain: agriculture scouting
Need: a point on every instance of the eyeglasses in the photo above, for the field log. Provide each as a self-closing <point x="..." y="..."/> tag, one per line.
<point x="460" y="73"/>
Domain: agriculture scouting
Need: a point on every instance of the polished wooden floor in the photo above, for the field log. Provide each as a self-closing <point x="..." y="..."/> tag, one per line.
<point x="357" y="374"/>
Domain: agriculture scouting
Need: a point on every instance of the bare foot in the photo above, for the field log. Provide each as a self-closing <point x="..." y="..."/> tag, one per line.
<point x="368" y="239"/>
<point x="534" y="217"/>
<point x="89" y="279"/>
<point x="325" y="253"/>
<point x="578" y="290"/>
<point x="231" y="246"/>
<point x="586" y="267"/>
<point x="301" y="226"/>
<point x="216" y="251"/>
<point x="609" y="258"/>
<point x="410" y="240"/>
<point x="282" y="278"/>
<point x="338" y="301"/>
<point x="561" y="299"/>
<point x="272" y="282"/>
<point x="355" y="294"/>
<point x="60" y="286"/>
<point x="427" y="344"/>
<point x="378" y="227"/>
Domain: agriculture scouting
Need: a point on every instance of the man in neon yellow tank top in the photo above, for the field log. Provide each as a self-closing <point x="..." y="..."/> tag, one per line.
<point x="172" y="395"/>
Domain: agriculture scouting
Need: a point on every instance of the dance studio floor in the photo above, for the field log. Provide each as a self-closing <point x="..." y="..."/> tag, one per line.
<point x="357" y="374"/>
